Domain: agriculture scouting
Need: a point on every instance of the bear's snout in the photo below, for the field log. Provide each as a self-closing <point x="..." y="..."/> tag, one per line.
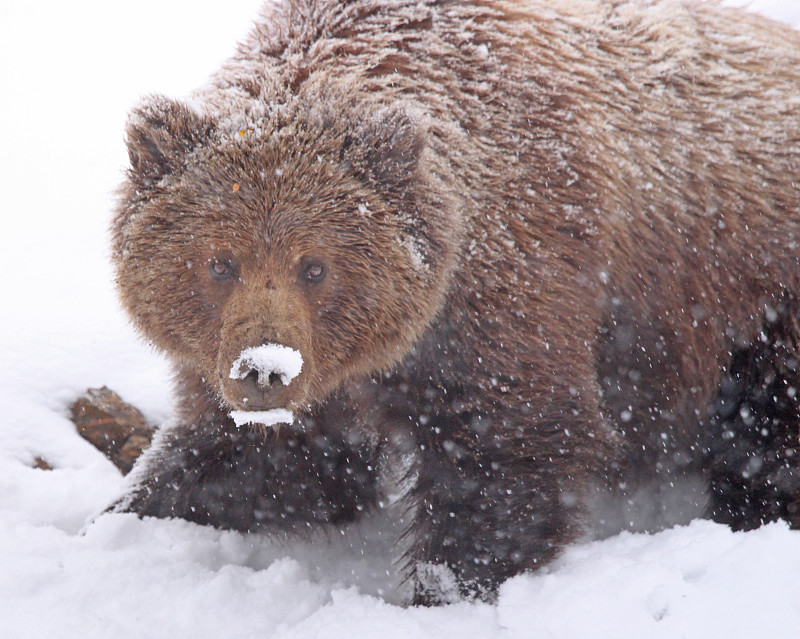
<point x="262" y="374"/>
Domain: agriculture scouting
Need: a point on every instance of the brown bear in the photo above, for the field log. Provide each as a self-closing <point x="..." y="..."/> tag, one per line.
<point x="541" y="256"/>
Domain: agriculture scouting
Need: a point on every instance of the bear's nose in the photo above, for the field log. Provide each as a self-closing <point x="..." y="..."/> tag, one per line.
<point x="258" y="378"/>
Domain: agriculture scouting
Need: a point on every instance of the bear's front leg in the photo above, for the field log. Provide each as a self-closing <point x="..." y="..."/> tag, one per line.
<point x="493" y="500"/>
<point x="205" y="469"/>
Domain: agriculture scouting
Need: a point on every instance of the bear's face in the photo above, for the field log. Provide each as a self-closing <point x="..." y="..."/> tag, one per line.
<point x="310" y="237"/>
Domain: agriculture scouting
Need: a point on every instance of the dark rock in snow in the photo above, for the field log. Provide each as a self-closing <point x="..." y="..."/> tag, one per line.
<point x="115" y="427"/>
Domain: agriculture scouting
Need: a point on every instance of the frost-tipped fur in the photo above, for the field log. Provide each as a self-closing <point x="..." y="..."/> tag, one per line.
<point x="559" y="241"/>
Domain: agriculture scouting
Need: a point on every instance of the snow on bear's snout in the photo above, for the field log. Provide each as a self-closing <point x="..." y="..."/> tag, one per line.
<point x="268" y="359"/>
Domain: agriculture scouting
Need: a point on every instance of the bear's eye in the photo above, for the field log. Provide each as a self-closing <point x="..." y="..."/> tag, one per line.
<point x="315" y="272"/>
<point x="221" y="270"/>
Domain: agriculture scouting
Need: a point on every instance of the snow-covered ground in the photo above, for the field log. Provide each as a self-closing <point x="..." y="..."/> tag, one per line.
<point x="69" y="71"/>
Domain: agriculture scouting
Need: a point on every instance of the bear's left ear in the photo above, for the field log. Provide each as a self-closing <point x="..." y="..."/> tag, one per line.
<point x="384" y="149"/>
<point x="160" y="133"/>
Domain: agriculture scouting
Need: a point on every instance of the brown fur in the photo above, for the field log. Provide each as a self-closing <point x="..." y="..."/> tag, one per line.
<point x="560" y="242"/>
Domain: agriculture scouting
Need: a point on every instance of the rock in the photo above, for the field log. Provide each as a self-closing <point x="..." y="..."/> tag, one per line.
<point x="41" y="464"/>
<point x="116" y="428"/>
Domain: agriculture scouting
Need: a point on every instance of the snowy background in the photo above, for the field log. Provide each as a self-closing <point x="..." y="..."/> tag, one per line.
<point x="69" y="72"/>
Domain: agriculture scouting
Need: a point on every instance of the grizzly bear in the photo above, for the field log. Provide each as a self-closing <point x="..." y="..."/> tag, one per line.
<point x="536" y="261"/>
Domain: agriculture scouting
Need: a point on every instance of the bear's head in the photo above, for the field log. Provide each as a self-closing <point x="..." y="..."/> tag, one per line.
<point x="323" y="232"/>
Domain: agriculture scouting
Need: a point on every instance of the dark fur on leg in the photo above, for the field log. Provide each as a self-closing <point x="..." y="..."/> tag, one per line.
<point x="209" y="471"/>
<point x="755" y="454"/>
<point x="483" y="514"/>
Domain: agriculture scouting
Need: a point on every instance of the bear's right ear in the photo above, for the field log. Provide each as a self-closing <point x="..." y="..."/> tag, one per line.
<point x="160" y="133"/>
